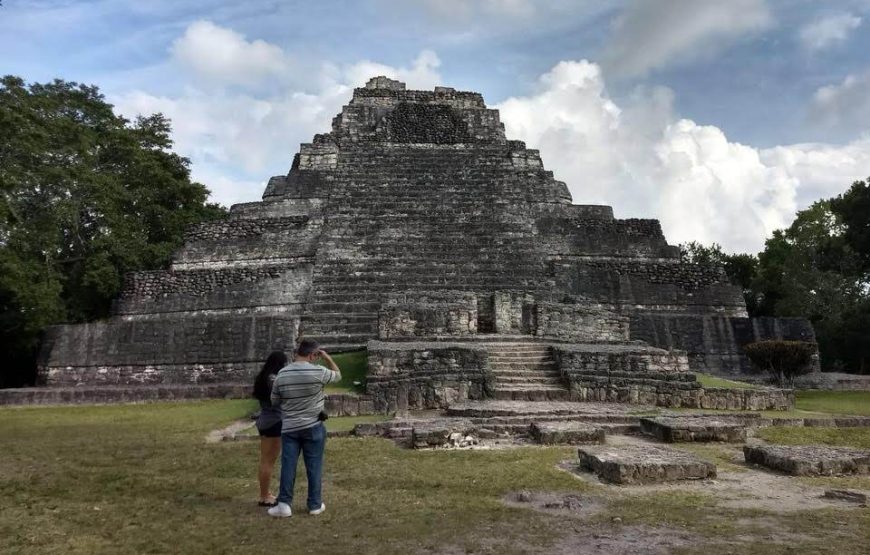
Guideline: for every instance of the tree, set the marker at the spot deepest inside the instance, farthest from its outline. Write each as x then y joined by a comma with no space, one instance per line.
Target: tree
853,210
85,196
784,360
740,268
819,268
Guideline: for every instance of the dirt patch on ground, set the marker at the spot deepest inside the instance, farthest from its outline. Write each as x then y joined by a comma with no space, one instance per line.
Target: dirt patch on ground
581,538
562,504
619,540
229,433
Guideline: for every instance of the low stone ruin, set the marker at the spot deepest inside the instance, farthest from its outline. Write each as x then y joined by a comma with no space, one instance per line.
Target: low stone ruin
672,429
809,460
571,433
643,464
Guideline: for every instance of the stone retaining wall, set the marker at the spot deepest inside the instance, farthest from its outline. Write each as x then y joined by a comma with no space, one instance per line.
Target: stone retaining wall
416,375
335,404
647,375
91,395
427,316
580,323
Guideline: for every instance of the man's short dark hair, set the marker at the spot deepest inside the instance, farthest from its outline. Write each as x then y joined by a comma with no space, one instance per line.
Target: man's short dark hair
307,347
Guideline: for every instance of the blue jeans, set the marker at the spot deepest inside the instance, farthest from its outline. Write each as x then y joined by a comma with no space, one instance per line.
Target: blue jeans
311,442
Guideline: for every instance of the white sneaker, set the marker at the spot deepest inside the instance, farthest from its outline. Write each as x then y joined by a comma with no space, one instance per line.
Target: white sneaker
318,511
280,510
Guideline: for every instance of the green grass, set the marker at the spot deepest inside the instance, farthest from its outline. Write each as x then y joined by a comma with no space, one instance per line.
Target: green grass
133,479
707,380
140,479
834,402
354,366
846,437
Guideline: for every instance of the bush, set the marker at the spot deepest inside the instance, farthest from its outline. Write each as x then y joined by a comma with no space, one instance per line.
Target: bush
784,360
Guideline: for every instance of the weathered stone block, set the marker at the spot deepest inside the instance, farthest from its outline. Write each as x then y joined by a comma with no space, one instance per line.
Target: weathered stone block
566,432
809,460
643,464
691,428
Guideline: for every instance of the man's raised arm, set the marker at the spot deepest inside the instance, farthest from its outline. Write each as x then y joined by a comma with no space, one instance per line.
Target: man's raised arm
336,371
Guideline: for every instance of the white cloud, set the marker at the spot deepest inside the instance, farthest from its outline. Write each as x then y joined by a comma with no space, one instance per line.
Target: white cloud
823,170
422,74
845,106
636,155
224,56
651,34
646,162
235,139
828,31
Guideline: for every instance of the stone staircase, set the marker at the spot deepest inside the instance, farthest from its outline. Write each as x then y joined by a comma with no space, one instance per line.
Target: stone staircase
429,224
525,372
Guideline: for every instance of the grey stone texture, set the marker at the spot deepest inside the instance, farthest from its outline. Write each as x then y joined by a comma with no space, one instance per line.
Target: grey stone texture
560,432
695,428
418,193
850,495
643,464
638,373
418,375
809,460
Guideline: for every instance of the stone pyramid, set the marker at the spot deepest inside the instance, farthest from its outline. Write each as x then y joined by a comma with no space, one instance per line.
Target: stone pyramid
414,196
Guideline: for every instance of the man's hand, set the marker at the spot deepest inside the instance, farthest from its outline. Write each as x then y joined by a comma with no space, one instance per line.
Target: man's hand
331,363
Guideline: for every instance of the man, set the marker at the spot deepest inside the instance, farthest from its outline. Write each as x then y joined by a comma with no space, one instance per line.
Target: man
298,389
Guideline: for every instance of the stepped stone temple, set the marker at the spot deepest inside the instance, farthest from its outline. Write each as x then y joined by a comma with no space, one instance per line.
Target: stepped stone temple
416,229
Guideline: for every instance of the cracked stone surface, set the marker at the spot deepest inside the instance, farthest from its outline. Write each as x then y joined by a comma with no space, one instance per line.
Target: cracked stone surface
809,460
644,464
532,408
702,428
572,433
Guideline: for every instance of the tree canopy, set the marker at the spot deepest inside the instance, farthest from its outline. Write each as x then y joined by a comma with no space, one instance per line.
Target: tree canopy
819,267
85,196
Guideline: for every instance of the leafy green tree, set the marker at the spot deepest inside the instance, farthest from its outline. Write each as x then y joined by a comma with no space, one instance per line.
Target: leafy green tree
85,196
811,270
853,210
818,268
740,268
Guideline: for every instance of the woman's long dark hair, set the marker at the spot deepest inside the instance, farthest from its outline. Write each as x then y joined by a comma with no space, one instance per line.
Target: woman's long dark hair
262,386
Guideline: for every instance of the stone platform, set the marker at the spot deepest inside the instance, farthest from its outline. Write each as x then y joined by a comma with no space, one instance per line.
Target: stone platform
699,428
809,460
644,464
571,433
552,410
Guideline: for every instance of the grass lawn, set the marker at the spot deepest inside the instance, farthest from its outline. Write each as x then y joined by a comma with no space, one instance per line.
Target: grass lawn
141,479
707,380
354,366
834,402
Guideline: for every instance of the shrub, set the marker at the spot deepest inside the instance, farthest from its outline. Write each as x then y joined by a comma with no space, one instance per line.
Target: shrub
784,360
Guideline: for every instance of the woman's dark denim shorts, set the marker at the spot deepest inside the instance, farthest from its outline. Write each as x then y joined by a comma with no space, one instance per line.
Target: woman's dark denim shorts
271,431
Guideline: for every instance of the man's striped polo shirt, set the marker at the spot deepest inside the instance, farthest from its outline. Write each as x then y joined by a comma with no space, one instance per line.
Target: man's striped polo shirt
299,390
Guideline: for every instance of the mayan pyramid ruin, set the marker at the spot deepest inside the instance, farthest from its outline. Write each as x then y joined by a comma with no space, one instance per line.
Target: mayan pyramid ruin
416,225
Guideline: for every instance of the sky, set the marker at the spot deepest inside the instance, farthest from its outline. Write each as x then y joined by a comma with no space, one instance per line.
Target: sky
721,119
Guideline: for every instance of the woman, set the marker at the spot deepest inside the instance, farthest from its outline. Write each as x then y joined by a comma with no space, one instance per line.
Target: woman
268,424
